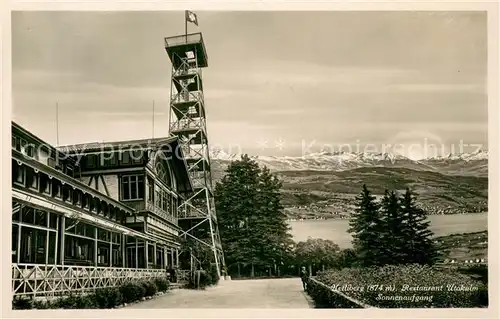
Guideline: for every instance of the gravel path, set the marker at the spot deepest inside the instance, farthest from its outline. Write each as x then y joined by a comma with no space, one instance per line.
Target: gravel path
262,293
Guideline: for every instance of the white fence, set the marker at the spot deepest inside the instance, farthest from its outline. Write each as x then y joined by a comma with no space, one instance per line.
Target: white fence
51,280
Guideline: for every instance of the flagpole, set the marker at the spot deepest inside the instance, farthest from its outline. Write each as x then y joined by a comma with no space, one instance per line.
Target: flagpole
153,118
186,25
57,123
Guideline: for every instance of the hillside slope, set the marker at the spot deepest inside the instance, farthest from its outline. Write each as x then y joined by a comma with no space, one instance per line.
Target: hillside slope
324,185
308,194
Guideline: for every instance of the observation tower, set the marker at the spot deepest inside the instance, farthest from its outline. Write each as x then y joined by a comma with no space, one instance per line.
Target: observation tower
197,216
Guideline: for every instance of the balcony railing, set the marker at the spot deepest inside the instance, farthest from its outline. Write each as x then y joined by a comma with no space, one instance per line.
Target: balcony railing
160,212
192,38
54,280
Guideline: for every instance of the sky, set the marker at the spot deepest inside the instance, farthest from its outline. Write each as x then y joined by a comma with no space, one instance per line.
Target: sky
277,83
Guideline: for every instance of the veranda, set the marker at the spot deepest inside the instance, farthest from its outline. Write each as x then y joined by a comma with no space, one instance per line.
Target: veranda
53,254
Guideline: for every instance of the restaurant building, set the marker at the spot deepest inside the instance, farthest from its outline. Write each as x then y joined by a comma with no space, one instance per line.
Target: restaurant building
93,215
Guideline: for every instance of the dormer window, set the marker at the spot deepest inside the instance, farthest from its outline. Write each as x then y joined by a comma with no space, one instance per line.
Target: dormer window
29,150
51,162
125,157
67,191
109,159
56,189
45,184
136,156
18,173
16,144
92,161
77,198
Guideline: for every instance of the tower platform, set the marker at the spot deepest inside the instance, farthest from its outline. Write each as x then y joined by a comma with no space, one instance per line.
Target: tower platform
177,48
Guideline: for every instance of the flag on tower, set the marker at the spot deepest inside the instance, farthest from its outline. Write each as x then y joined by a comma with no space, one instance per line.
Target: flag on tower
191,17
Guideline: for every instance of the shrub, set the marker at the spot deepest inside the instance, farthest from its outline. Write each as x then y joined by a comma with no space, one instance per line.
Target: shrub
162,284
150,288
22,303
132,291
324,298
214,277
38,304
479,272
109,297
204,280
76,302
387,287
103,298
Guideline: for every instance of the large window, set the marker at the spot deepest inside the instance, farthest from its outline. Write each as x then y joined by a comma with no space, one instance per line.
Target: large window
79,243
33,245
15,234
151,253
33,235
132,187
159,256
79,251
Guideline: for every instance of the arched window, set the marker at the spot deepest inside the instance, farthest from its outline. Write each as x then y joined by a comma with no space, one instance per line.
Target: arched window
164,172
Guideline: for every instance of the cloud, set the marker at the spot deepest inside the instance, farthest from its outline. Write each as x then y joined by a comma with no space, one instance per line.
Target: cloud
283,112
437,87
360,74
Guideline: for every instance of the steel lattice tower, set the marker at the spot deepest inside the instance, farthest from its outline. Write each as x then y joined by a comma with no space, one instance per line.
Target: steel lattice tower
197,215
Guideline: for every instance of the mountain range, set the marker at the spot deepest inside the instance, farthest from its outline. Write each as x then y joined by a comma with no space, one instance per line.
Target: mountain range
323,185
475,164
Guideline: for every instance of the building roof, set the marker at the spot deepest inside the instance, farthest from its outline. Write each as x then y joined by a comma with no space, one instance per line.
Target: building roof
180,168
18,129
92,147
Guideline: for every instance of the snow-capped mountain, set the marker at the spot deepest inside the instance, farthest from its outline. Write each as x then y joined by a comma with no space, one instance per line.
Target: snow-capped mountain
324,184
475,156
340,161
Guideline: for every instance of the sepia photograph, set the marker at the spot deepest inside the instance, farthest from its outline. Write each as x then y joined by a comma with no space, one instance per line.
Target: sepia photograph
249,159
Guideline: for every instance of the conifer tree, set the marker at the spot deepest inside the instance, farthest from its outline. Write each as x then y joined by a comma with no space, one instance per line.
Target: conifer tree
235,198
252,221
271,216
418,237
366,228
393,245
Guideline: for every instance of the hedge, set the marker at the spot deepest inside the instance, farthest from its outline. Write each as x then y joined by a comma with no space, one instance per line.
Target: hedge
206,278
325,298
409,286
103,298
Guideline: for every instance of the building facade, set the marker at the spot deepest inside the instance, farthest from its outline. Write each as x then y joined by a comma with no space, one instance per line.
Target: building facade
94,215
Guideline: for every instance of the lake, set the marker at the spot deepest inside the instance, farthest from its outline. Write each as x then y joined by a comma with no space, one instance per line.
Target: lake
336,229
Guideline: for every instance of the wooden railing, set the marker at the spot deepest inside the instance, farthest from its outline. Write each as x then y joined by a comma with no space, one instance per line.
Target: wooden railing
53,280
325,296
